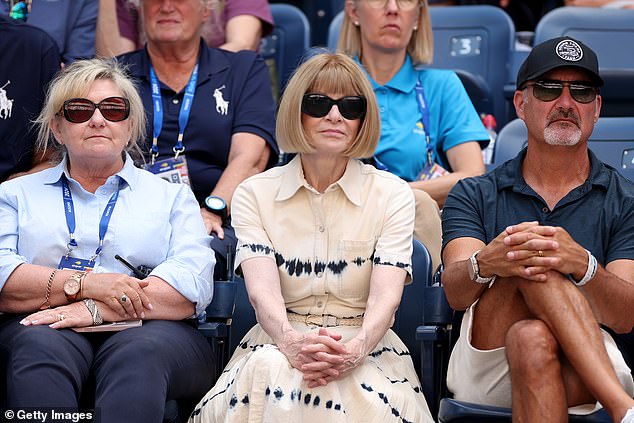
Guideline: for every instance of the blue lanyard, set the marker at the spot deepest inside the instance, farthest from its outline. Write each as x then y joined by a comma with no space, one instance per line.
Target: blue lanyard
424,112
69,210
183,115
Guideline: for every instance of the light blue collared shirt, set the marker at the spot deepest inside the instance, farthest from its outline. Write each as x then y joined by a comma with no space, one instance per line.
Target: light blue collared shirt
154,223
452,118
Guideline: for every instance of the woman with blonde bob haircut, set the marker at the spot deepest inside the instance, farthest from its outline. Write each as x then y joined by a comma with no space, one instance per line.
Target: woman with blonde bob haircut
327,73
324,244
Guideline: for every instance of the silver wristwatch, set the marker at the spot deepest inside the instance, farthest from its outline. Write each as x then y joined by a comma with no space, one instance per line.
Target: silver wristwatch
474,270
94,311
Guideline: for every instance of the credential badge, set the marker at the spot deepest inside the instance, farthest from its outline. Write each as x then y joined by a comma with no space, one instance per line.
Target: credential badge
569,50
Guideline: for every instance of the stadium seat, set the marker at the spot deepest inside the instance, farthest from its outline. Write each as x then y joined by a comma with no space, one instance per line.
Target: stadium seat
612,141
320,14
287,43
610,33
476,39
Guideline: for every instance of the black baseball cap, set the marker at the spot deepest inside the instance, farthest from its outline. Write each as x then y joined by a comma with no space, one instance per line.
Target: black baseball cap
556,53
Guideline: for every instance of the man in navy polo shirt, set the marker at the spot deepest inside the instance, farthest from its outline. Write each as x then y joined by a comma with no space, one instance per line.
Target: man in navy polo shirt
209,111
539,252
30,59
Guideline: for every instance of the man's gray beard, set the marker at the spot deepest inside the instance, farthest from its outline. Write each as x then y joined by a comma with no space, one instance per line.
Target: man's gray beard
558,136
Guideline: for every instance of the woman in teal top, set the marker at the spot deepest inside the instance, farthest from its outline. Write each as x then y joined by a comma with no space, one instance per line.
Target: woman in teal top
422,110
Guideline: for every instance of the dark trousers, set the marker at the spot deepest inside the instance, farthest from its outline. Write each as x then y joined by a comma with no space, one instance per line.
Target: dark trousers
225,250
131,373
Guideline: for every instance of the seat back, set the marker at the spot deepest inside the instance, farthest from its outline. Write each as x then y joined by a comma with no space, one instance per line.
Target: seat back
320,14
610,33
287,43
612,141
476,39
412,308
603,30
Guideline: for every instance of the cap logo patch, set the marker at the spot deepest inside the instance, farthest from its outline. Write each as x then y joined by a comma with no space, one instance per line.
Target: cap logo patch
569,51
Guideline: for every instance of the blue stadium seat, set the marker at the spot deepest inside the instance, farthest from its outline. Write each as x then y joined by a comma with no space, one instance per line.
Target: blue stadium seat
610,33
287,43
320,14
476,39
612,141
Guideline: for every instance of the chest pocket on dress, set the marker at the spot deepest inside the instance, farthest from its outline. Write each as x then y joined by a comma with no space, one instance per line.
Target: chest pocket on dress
355,259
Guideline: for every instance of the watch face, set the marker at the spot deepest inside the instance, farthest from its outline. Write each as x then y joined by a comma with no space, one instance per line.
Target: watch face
71,286
215,203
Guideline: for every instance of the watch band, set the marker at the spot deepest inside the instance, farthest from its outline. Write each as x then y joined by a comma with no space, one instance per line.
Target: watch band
590,271
475,268
79,277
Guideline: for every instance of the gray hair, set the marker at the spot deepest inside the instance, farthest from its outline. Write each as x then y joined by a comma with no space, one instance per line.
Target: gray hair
74,81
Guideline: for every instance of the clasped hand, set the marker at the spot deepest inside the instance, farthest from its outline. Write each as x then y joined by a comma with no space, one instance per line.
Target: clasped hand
321,356
530,250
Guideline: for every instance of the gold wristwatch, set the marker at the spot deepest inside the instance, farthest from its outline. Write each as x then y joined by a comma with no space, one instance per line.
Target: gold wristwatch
72,286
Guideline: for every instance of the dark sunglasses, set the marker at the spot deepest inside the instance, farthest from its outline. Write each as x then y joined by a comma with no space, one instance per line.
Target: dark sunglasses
79,110
318,105
551,90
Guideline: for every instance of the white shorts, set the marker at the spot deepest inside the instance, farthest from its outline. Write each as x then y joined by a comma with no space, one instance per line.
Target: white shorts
482,376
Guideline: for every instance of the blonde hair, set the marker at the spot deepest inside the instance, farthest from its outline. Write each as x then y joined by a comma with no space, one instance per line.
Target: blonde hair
420,47
327,73
74,81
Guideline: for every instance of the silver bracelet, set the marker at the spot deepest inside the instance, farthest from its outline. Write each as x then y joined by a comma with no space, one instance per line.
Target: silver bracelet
94,311
590,271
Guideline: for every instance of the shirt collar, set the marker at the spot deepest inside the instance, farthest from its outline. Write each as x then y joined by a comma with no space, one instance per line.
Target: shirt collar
210,61
510,173
127,173
293,179
404,80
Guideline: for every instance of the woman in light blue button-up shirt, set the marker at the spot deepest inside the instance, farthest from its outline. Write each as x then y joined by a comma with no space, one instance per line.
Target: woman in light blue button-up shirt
61,230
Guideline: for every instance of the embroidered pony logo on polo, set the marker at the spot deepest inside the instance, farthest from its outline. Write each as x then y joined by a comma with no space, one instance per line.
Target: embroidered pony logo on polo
6,104
222,105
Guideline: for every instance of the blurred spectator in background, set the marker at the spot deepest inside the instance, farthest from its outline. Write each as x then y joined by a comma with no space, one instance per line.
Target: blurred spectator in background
20,11
30,59
524,13
210,112
232,25
617,4
71,23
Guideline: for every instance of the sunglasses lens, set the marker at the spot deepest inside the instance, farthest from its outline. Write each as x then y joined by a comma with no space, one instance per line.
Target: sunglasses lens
547,92
316,105
114,109
78,110
352,107
582,93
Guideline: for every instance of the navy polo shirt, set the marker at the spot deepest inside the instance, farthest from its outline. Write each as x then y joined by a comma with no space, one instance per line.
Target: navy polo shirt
599,214
242,79
30,59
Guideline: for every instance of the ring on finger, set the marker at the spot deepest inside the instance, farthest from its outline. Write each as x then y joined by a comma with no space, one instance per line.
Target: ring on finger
540,253
124,298
60,317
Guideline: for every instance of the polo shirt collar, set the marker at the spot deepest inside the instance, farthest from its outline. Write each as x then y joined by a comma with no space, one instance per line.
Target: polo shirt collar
404,80
127,173
210,61
510,174
293,179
